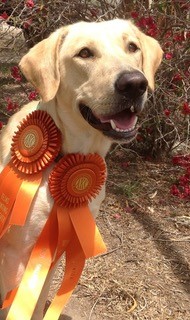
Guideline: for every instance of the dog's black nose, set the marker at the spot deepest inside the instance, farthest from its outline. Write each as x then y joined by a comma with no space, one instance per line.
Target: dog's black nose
131,84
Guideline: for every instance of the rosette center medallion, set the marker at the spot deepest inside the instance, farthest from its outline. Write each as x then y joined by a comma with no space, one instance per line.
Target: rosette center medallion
30,140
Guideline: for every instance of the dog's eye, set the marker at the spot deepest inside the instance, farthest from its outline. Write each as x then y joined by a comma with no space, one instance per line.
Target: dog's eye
132,47
85,53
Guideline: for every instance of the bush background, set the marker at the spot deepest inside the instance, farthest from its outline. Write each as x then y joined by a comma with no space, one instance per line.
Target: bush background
165,122
145,274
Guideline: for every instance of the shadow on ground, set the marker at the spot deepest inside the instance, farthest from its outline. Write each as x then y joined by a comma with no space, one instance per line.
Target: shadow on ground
179,265
65,317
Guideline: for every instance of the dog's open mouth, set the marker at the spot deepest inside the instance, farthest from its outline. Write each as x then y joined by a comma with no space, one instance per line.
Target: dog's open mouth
118,126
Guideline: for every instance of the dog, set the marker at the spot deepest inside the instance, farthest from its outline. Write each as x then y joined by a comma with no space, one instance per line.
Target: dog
93,79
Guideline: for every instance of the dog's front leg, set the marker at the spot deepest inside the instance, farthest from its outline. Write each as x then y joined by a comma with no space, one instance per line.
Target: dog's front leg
96,202
12,265
40,307
39,310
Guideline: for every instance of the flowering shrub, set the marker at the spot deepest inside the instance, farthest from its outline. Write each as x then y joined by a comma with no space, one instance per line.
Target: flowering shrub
15,73
11,106
181,188
165,122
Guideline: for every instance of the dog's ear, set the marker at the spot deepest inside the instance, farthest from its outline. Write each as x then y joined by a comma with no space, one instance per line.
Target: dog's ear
152,57
40,65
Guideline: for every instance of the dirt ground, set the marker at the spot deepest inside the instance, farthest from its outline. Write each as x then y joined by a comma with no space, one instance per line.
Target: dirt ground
145,273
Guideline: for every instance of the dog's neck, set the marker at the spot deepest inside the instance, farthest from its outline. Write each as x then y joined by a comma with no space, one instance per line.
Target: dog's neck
77,136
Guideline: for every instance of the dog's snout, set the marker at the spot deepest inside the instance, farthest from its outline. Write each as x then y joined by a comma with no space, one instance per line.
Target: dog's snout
131,84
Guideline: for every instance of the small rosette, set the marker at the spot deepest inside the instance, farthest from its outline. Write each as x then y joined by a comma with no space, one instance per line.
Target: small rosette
36,143
76,179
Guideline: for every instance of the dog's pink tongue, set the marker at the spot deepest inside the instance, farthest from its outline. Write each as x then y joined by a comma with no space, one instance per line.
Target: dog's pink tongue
123,120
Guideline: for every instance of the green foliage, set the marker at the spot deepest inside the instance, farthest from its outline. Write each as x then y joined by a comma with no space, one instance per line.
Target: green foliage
131,189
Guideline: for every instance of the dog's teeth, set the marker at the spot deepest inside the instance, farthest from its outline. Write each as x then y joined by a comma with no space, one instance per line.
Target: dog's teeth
113,124
114,127
126,130
132,109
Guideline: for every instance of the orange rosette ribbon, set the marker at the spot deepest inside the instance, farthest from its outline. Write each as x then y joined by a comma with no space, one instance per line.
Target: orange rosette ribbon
76,179
35,145
73,183
70,228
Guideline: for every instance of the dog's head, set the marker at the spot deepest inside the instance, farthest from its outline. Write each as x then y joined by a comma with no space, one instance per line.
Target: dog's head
100,71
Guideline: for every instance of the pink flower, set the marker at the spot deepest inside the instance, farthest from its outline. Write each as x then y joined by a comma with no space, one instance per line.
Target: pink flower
167,112
186,191
27,23
149,21
11,106
32,95
15,73
117,216
139,138
167,44
125,164
168,35
183,180
175,191
186,108
142,22
134,14
179,37
4,16
181,160
152,32
177,77
169,56
30,3
148,24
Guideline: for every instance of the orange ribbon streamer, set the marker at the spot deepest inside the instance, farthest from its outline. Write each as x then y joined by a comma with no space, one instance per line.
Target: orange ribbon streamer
75,261
35,274
42,258
21,190
35,145
71,229
7,195
25,197
86,242
9,299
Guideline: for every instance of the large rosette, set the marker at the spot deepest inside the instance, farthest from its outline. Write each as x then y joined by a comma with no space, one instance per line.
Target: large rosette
76,179
36,143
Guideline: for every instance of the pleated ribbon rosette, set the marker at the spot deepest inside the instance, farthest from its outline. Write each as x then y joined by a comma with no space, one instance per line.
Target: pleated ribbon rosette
35,146
70,228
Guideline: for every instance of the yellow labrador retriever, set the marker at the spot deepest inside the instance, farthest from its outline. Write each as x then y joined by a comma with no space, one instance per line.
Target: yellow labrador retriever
93,80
